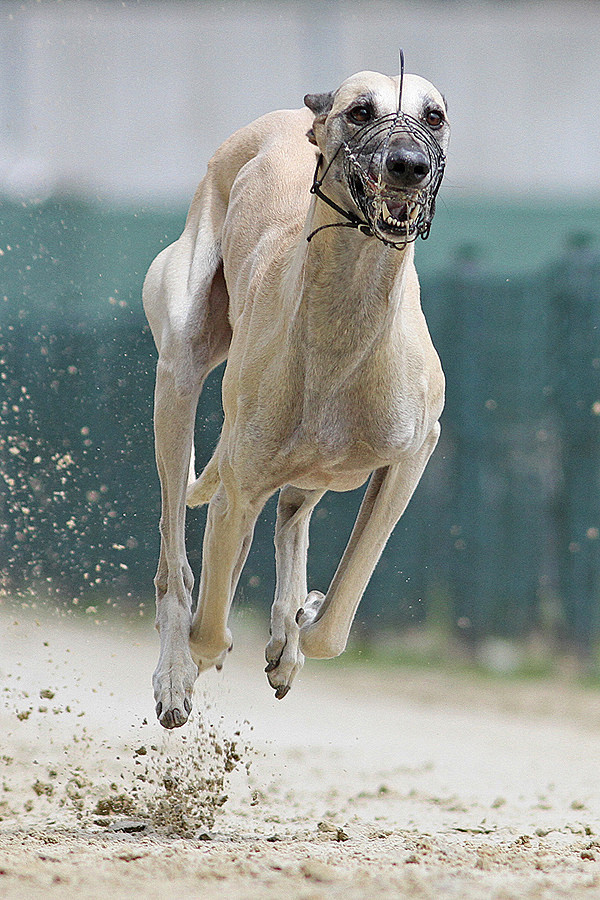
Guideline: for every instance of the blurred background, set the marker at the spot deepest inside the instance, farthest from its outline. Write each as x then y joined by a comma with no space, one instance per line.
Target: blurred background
109,112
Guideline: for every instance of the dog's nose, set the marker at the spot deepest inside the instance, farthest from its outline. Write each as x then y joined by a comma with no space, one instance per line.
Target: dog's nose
409,166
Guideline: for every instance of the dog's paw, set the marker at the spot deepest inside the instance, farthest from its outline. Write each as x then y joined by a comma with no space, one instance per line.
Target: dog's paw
319,637
309,612
284,661
173,683
210,653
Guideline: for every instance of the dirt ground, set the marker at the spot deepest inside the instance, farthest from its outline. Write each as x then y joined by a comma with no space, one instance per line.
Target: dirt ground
360,784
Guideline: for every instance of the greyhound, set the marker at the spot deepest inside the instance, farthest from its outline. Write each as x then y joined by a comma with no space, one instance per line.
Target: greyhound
311,294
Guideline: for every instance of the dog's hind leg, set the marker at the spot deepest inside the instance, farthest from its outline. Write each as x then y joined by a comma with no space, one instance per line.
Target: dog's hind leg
325,621
188,317
284,659
175,673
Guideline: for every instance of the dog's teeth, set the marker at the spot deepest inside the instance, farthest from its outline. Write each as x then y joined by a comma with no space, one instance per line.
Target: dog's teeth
386,214
389,219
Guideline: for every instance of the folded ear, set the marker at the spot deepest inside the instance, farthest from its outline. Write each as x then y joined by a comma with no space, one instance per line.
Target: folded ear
320,105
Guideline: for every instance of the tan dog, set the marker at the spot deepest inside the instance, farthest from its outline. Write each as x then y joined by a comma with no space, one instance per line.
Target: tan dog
331,374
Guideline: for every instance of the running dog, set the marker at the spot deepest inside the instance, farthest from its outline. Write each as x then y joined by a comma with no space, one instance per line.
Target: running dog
296,264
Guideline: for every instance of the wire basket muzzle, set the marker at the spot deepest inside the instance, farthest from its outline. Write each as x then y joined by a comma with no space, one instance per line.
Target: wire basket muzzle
364,161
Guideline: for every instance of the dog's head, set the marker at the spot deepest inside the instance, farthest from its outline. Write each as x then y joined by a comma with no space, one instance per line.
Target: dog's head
382,163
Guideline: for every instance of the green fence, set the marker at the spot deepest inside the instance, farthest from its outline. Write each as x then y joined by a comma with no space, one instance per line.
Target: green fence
503,534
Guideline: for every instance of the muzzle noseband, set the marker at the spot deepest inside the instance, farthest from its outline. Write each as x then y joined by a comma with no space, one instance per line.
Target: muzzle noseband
364,160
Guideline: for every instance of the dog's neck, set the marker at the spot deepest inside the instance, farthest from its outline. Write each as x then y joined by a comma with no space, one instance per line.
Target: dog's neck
347,284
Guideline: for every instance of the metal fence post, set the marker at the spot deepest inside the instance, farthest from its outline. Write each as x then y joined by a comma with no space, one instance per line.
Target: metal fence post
573,286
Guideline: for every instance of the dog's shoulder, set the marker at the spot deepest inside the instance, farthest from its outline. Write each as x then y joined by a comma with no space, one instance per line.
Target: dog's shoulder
279,123
274,149
279,130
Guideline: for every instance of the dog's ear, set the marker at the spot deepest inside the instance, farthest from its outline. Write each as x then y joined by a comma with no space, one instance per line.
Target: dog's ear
320,105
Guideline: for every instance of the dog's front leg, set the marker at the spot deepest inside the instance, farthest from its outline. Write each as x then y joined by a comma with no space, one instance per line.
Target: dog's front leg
325,621
284,659
173,679
229,529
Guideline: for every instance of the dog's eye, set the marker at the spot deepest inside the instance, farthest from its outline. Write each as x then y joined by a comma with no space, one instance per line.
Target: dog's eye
434,118
360,114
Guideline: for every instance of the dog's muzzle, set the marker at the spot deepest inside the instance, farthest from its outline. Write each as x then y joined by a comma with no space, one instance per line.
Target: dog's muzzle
393,168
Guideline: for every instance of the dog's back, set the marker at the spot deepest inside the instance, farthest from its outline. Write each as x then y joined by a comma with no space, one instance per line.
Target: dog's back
263,174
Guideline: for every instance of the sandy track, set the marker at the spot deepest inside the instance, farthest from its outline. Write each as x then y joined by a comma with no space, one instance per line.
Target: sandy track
359,784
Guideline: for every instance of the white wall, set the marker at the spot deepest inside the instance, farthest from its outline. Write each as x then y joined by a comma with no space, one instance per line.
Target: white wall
126,101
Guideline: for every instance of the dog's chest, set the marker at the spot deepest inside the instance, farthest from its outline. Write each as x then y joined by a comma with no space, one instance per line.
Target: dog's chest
360,427
336,446
385,426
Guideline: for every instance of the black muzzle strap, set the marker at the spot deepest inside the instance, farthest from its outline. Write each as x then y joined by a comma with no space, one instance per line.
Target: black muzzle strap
353,221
